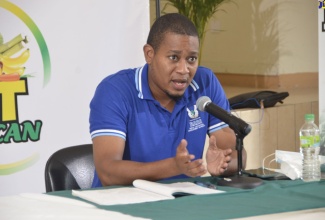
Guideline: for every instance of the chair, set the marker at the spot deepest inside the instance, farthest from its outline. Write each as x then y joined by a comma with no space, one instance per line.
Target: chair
70,168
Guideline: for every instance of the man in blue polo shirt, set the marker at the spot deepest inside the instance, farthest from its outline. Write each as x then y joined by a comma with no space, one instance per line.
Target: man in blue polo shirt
144,122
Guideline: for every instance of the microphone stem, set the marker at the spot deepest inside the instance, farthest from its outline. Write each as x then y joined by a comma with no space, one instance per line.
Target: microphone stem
239,148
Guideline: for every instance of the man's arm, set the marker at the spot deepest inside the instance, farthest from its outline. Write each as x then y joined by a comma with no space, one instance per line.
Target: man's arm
112,170
225,161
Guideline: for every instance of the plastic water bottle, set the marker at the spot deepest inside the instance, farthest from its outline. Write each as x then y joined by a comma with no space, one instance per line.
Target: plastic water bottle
309,148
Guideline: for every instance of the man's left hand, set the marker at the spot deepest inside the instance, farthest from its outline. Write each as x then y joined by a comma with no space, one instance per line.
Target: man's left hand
217,159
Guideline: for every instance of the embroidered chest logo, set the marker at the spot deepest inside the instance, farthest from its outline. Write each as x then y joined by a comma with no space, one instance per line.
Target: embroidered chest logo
193,113
195,121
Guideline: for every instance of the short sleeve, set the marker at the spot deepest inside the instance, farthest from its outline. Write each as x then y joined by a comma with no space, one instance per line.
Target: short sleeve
108,110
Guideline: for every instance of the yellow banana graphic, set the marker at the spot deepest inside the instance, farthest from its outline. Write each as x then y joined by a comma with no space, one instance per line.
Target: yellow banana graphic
9,70
16,61
12,42
14,49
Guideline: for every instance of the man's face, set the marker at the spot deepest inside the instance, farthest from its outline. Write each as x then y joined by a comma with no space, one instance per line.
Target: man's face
172,66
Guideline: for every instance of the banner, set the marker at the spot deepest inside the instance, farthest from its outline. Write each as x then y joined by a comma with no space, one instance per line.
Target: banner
53,54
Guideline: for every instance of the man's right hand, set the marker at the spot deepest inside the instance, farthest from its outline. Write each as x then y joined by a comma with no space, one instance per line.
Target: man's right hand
185,162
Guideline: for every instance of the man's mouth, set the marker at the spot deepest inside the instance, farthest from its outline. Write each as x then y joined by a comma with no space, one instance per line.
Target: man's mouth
179,84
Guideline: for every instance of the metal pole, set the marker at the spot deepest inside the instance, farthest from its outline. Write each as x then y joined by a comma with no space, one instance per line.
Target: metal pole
157,9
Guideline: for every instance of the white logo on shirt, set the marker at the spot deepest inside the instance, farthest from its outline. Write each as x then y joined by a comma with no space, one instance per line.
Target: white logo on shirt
195,121
193,113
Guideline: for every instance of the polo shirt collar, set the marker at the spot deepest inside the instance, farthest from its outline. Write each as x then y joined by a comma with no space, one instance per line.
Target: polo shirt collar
142,85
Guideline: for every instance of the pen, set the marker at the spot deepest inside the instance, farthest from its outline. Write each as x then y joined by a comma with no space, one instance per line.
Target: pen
206,185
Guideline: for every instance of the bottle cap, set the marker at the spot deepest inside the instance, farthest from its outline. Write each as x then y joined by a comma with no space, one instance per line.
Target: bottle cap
309,117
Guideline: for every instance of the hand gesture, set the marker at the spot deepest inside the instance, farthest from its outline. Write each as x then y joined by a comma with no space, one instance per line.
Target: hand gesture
217,159
185,163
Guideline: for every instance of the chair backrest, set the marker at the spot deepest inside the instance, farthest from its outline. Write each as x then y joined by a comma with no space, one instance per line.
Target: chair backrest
70,168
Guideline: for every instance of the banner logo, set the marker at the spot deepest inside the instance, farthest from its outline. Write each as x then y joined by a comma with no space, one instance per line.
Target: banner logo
13,82
14,53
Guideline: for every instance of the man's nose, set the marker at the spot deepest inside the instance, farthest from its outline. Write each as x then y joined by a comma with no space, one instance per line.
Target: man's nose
182,67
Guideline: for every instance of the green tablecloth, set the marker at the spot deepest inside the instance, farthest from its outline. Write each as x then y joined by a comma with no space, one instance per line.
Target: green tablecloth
274,196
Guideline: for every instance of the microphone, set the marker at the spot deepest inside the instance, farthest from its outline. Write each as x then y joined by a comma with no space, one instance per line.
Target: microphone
240,127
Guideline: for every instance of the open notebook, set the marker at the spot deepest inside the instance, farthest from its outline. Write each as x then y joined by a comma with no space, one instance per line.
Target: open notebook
143,191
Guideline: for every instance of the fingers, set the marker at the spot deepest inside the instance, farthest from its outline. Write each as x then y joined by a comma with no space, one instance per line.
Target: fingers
182,147
224,167
228,152
218,160
196,168
185,162
226,163
228,157
183,153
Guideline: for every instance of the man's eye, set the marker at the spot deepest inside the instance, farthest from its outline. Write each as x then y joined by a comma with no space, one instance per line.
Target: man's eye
173,57
192,59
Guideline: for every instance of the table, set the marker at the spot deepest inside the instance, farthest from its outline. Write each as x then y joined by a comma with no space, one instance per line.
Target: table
274,196
276,199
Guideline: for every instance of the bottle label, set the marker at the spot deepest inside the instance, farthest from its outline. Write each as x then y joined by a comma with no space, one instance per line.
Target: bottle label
309,141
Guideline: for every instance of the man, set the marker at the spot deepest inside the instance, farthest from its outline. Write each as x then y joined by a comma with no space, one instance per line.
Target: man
144,122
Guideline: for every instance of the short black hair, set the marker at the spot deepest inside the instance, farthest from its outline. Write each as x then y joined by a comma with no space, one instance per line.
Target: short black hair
170,23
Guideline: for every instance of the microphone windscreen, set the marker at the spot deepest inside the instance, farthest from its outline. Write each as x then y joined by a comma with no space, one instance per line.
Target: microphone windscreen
201,102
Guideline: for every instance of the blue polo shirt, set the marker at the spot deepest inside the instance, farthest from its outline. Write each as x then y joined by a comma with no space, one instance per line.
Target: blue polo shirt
123,106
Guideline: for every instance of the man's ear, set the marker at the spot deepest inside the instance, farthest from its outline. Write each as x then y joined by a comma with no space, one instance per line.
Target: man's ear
148,53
